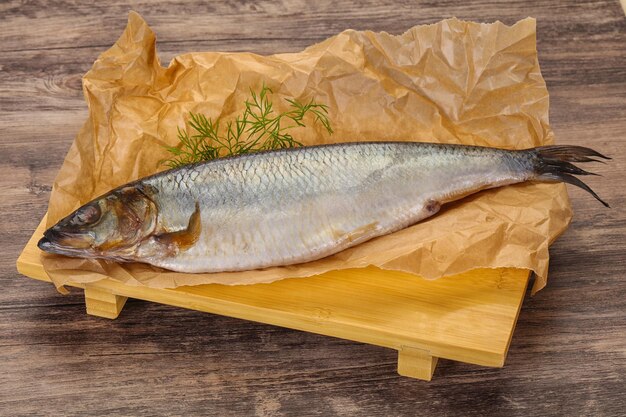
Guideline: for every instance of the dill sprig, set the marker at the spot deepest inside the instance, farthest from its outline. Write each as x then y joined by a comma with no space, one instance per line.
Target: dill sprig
257,128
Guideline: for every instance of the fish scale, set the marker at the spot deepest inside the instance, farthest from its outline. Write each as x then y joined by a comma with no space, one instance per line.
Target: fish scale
310,202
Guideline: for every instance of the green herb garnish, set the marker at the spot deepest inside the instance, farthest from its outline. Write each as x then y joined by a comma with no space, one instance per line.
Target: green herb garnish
257,128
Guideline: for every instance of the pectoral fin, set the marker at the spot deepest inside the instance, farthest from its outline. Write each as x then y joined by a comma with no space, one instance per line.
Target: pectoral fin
183,239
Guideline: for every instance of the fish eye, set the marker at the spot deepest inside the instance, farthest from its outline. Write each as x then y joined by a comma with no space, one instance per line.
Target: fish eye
87,215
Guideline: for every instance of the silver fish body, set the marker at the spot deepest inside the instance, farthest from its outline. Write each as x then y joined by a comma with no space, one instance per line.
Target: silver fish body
301,204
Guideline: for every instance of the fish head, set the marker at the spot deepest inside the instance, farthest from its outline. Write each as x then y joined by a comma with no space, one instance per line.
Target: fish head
110,227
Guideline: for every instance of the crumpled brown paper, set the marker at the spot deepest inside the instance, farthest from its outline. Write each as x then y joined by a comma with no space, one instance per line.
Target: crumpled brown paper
452,82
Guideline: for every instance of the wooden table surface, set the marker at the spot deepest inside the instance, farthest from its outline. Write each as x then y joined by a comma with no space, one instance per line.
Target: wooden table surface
568,353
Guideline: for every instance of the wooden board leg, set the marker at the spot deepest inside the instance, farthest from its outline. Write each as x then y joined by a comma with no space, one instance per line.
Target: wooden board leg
103,304
416,363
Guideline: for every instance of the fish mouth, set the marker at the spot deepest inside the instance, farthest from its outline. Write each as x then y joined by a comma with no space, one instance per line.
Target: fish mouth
50,243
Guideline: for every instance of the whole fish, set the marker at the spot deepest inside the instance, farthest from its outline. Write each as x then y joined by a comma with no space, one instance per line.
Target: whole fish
293,205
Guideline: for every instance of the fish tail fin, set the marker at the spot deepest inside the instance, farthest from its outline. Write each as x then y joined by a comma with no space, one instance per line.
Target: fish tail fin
554,164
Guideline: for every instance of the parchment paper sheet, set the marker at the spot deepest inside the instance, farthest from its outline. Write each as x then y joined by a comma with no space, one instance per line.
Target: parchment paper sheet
451,82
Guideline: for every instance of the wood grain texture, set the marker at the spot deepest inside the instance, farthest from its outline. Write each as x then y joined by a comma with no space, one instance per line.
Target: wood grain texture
468,317
567,356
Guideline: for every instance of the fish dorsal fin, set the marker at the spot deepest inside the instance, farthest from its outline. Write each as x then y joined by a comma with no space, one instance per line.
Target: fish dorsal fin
183,239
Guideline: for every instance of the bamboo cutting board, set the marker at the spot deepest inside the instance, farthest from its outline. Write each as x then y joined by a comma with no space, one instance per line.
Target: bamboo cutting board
468,317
